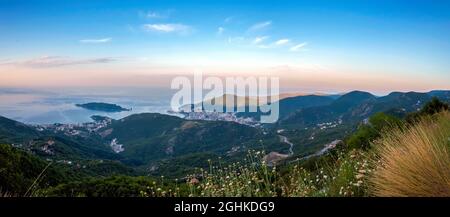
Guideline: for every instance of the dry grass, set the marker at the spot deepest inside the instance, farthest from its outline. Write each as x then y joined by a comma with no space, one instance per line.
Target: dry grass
414,161
5,194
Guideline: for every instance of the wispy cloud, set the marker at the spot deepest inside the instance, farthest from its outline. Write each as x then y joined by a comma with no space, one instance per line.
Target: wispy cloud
96,41
4,61
168,28
228,19
282,42
155,14
57,61
300,67
220,30
259,39
298,47
260,26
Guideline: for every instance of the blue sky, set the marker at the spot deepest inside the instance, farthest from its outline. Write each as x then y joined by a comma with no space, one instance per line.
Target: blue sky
313,44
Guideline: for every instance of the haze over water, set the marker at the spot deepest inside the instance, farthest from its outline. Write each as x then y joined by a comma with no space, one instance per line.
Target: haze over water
55,106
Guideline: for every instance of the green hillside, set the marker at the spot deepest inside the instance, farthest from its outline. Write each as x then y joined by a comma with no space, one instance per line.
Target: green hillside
66,160
149,138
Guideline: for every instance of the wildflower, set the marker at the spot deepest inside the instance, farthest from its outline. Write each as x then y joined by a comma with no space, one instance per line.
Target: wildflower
194,181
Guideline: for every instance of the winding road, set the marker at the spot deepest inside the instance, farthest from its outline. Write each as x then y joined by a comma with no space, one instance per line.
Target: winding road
284,139
327,147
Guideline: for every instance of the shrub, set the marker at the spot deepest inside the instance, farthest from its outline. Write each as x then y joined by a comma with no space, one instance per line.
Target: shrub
414,161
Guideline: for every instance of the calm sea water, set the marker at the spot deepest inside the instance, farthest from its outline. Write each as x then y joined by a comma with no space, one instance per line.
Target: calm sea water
38,106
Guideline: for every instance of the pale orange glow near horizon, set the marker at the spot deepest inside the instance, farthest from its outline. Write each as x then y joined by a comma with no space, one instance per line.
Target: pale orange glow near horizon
294,78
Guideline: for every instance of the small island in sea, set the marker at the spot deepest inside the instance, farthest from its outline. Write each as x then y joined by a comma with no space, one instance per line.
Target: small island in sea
104,107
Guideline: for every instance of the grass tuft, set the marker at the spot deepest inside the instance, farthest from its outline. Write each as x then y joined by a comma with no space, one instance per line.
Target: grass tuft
414,161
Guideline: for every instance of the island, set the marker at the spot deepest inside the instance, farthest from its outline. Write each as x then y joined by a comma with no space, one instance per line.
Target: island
104,107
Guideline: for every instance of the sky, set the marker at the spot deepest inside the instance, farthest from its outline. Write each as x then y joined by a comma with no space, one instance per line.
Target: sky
327,46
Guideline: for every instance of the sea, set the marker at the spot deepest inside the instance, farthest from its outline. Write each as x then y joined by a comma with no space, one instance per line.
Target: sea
58,105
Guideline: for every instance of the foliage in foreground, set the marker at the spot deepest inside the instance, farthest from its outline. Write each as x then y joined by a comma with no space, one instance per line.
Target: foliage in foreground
117,186
415,161
21,172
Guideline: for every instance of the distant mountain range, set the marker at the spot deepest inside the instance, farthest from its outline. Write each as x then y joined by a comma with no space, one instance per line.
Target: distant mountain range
322,107
249,101
357,105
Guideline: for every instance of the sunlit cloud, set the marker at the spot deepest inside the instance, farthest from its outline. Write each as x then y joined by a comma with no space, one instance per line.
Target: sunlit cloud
282,42
259,39
96,41
278,43
167,28
298,47
260,26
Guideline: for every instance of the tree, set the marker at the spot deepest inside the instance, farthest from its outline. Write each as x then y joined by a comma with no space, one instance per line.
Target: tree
432,107
366,134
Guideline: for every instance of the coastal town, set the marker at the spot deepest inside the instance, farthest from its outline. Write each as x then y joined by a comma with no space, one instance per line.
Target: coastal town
76,129
220,116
